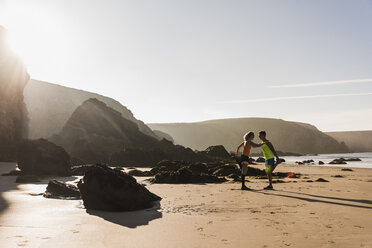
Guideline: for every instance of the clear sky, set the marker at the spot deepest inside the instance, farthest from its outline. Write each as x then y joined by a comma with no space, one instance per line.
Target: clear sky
182,61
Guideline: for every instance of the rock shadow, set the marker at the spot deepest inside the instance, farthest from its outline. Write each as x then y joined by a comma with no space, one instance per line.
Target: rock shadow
130,219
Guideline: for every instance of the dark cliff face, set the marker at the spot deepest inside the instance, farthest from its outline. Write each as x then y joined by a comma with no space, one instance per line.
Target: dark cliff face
95,130
51,105
13,112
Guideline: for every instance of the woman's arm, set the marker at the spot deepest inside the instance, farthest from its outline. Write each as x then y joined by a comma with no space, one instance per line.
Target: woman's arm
255,145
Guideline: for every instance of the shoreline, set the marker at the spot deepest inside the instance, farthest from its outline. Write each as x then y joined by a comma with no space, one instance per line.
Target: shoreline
296,214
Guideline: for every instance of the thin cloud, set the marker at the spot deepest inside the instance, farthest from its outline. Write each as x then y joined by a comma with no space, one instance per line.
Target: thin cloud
326,83
297,97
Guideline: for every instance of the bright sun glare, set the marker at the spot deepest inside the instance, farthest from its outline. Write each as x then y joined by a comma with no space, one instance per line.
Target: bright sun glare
33,35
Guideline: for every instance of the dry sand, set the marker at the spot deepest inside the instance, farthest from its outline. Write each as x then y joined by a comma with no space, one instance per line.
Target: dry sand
337,213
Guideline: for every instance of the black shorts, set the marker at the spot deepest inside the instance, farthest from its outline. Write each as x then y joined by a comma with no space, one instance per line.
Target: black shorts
244,158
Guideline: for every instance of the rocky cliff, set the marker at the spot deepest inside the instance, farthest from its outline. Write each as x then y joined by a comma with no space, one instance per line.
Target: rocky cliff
286,136
13,113
51,105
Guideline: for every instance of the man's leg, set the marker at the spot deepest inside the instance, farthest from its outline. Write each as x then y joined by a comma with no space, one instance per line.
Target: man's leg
269,169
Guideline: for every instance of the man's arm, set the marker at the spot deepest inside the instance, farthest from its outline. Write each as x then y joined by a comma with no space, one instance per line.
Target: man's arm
239,147
272,149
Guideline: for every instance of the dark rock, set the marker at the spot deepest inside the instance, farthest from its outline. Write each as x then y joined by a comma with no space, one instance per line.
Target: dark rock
41,157
13,173
184,175
338,161
139,173
79,170
13,112
260,160
320,162
281,160
76,161
61,190
103,188
218,151
339,176
235,176
321,180
198,168
353,159
226,170
27,179
346,169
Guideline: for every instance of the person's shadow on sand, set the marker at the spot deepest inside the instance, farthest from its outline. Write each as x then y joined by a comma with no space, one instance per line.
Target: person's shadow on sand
130,219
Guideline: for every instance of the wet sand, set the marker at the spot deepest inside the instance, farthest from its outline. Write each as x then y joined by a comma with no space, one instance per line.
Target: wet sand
297,213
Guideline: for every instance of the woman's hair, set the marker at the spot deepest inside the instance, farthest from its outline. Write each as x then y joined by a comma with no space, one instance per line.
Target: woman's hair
248,135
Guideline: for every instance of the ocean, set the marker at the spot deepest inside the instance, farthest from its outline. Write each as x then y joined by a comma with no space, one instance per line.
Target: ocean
366,158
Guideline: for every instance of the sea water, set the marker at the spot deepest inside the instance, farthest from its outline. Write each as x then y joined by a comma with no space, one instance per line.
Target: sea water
366,158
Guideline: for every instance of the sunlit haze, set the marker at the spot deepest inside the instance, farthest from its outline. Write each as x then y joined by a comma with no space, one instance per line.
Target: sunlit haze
183,61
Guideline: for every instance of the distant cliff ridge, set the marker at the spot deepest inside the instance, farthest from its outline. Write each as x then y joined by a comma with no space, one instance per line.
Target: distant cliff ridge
51,105
13,113
286,136
357,141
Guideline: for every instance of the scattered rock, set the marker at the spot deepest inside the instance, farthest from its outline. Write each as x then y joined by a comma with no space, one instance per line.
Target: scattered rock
184,175
27,179
338,176
61,190
226,170
281,160
103,188
320,162
13,173
139,173
353,159
346,169
260,160
41,157
338,161
235,177
321,180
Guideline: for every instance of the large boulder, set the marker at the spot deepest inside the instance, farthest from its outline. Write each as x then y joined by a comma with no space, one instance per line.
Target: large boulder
41,157
13,112
103,188
61,190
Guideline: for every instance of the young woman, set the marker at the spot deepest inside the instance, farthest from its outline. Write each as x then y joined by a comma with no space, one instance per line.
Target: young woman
244,160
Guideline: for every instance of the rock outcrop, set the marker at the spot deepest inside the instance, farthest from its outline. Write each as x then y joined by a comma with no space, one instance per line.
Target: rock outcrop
42,157
96,133
217,151
103,188
13,113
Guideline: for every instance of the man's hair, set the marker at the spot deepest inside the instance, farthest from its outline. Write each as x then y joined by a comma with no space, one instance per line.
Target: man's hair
263,133
248,135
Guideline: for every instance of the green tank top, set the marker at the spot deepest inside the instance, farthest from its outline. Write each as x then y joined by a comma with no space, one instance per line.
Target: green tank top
268,154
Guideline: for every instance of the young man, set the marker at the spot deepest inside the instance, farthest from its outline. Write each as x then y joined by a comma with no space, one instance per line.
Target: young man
269,153
244,160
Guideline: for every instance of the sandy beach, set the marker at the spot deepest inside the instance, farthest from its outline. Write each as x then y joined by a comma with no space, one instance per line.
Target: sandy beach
296,214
